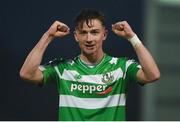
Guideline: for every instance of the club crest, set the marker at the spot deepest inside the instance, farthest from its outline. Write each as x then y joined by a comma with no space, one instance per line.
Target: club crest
107,78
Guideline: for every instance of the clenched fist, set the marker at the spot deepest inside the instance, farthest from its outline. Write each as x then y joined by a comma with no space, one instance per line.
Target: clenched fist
123,29
58,29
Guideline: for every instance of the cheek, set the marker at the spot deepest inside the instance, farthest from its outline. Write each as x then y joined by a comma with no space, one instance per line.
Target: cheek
101,40
102,36
99,44
80,44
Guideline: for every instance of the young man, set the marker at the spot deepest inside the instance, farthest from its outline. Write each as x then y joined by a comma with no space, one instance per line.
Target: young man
93,86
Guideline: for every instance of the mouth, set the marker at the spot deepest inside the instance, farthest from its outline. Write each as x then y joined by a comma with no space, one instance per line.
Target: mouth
89,45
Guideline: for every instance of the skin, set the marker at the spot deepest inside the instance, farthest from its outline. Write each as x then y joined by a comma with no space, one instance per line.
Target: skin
90,39
149,71
30,70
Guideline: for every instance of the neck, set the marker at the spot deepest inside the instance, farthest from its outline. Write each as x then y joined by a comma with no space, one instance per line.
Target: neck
92,58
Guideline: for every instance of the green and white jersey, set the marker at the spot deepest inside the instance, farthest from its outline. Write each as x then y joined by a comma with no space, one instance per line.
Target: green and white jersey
91,94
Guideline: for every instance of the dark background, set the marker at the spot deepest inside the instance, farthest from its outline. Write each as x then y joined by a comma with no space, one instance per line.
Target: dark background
22,24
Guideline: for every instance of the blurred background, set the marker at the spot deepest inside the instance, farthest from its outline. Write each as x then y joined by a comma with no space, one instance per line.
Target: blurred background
22,24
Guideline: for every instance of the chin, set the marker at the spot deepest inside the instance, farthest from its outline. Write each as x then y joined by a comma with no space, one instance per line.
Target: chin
89,52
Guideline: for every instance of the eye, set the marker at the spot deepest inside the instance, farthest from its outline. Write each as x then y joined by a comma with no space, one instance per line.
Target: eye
94,32
82,32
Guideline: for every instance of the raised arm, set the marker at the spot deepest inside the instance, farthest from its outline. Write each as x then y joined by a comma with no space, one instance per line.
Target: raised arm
149,71
30,70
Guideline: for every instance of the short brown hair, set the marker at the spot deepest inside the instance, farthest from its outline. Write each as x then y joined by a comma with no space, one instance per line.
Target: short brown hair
86,15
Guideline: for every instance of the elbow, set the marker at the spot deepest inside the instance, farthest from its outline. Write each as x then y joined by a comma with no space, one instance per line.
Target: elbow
149,77
157,75
154,77
24,75
31,77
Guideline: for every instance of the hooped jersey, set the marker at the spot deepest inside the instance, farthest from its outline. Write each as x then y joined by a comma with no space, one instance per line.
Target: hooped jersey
91,93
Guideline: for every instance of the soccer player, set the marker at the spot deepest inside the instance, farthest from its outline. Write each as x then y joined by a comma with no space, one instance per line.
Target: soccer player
93,85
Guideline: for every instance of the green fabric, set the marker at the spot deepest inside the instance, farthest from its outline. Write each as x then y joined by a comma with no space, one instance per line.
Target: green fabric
76,70
104,114
116,89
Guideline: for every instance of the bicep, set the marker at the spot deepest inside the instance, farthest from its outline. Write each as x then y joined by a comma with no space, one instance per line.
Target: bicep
37,77
141,77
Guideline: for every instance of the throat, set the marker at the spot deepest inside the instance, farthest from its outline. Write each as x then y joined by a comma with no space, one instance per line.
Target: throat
91,60
91,65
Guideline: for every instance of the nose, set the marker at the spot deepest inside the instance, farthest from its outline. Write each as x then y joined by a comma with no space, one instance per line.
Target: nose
89,38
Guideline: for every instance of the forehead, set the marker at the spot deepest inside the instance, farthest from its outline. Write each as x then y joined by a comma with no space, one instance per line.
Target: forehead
91,24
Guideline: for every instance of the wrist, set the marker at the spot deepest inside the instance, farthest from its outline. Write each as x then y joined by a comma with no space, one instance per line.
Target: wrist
134,40
48,35
130,35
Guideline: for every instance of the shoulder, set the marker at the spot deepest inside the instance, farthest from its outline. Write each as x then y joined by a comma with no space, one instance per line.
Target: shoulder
125,60
61,61
122,61
117,60
55,62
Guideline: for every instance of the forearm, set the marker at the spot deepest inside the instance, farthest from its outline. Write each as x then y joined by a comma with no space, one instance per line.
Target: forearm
30,69
149,67
33,60
149,71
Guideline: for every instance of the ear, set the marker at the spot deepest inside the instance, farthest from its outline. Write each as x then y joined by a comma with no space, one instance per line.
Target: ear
105,34
75,36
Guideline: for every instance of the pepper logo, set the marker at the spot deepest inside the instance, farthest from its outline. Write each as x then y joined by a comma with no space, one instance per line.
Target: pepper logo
88,88
97,89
